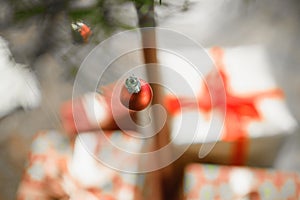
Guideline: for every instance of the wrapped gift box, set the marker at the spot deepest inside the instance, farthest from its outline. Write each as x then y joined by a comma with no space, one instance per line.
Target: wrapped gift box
236,101
223,182
58,168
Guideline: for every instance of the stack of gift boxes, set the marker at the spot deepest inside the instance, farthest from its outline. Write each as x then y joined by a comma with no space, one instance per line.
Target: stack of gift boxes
254,120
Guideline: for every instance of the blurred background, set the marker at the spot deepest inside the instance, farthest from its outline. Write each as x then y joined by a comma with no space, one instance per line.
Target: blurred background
39,35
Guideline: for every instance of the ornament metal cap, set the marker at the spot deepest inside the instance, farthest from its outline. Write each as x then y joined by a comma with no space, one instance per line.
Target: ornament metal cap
133,84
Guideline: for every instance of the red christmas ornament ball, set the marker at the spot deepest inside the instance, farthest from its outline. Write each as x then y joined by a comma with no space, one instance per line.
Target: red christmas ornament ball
136,94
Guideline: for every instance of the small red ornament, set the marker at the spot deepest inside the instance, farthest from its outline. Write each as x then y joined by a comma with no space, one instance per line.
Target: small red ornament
81,32
136,94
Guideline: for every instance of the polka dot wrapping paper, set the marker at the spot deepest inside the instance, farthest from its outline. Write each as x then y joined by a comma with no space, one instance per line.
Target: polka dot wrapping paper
223,182
58,169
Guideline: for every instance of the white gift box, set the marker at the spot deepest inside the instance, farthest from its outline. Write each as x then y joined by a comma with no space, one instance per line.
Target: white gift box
247,73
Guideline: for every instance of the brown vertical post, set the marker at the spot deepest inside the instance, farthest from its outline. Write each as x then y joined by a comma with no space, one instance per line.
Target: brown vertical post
159,183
